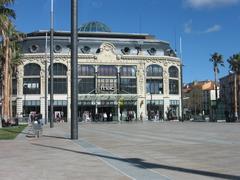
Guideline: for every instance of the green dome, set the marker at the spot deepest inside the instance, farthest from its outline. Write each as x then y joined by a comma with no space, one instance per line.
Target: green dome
94,26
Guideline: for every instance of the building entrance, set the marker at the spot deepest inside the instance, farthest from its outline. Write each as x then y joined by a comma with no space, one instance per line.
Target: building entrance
108,113
86,113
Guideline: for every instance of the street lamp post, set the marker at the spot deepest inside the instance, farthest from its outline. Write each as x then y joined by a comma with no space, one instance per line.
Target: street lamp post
25,96
51,66
74,63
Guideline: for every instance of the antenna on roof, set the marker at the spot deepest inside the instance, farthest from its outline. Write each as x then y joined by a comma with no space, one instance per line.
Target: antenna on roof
180,47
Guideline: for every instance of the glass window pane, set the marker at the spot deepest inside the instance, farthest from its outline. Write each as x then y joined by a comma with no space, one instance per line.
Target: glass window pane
173,86
107,71
59,69
86,70
32,70
128,71
31,86
59,85
154,86
154,70
173,72
86,85
128,86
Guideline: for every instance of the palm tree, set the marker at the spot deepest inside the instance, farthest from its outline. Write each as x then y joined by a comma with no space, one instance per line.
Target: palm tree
216,59
234,65
6,15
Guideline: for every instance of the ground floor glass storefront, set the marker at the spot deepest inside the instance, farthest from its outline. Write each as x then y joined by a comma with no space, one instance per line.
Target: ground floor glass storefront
155,109
107,110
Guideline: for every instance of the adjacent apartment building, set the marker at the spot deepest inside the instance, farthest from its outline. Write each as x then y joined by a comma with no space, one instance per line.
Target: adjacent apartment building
199,98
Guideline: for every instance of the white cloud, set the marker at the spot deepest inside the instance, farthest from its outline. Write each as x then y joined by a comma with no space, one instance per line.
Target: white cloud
188,27
214,28
198,4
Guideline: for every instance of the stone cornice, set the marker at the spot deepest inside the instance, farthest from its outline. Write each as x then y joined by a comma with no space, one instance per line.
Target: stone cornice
67,56
149,58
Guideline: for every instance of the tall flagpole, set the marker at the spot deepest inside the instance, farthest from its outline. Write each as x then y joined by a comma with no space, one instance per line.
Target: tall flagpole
51,65
74,65
46,82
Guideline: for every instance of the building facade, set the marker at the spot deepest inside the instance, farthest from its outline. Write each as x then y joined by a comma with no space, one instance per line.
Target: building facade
228,96
199,98
124,75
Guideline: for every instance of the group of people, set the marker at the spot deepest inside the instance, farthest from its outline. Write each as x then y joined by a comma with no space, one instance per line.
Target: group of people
33,116
88,116
59,117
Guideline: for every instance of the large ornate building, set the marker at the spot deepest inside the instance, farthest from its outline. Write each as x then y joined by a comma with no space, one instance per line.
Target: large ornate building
120,74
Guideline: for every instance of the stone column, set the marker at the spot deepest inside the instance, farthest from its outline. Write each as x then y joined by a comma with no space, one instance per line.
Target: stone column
96,90
118,87
69,93
20,95
141,92
166,106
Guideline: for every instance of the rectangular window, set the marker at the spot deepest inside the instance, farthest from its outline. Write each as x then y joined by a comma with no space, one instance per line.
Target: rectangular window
155,86
128,86
31,86
173,86
14,86
86,85
59,85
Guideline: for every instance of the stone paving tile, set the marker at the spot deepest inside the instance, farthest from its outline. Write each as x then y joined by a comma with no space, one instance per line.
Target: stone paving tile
173,150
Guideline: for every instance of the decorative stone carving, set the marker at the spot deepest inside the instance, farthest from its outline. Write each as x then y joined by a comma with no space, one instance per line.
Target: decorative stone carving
141,79
107,53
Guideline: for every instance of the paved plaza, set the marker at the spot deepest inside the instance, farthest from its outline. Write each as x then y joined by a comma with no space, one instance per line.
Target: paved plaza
148,150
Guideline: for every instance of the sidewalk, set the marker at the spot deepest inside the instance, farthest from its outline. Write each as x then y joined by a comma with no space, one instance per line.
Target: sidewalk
52,156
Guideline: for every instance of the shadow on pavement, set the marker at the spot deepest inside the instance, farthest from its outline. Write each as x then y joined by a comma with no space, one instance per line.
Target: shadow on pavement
57,137
145,165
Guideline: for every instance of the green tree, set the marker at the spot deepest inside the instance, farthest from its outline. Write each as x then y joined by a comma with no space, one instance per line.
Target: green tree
6,16
234,66
217,60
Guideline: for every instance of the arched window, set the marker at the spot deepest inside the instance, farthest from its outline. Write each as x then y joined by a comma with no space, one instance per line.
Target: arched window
59,79
32,69
154,70
31,79
173,80
86,70
59,69
128,71
107,71
173,72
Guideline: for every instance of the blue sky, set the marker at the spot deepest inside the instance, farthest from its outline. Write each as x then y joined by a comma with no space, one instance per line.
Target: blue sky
205,26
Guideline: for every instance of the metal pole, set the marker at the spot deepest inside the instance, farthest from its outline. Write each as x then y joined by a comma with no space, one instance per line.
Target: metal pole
51,65
25,94
46,83
74,63
181,69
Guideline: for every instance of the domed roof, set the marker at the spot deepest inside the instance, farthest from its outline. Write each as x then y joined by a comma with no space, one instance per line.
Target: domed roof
94,26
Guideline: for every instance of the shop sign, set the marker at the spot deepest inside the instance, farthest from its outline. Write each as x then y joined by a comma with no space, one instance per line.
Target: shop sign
107,88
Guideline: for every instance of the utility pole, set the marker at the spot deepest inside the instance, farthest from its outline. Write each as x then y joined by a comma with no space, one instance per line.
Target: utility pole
51,65
74,65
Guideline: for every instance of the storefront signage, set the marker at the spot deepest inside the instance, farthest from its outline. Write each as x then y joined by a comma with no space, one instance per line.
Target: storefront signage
107,88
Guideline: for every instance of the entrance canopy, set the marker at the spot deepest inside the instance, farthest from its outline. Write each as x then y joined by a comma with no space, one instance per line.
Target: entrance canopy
113,97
